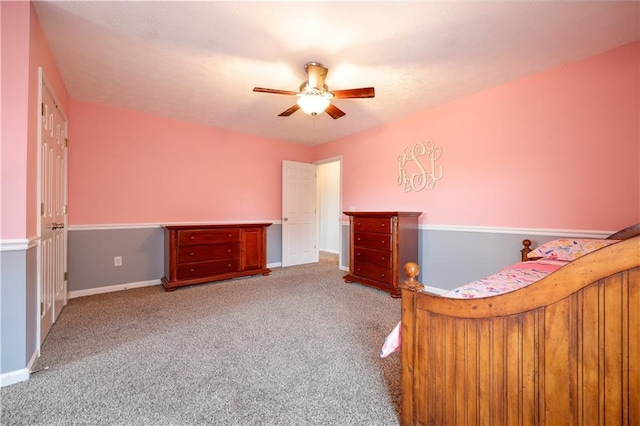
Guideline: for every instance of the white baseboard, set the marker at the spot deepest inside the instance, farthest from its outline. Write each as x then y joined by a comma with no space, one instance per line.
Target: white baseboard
329,251
13,377
111,288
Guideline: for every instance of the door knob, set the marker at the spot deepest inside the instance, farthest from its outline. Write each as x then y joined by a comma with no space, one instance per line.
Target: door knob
286,219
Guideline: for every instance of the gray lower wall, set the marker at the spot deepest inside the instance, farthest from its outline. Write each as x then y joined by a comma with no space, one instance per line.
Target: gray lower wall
91,254
18,304
447,258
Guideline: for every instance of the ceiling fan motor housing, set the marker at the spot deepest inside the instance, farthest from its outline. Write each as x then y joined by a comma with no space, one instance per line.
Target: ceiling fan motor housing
305,89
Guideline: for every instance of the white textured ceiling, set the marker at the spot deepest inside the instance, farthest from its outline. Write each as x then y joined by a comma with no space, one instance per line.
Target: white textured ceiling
199,61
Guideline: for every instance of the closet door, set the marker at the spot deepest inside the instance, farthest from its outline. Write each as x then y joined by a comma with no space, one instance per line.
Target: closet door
53,193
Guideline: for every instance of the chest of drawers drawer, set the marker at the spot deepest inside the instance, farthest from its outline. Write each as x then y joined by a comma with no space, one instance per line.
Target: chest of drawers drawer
208,236
206,269
380,225
377,273
380,258
371,240
210,252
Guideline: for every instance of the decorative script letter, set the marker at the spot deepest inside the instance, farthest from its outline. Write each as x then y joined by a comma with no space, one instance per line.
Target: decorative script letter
414,176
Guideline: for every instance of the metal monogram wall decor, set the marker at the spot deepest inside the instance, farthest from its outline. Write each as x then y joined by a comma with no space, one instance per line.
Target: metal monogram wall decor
412,173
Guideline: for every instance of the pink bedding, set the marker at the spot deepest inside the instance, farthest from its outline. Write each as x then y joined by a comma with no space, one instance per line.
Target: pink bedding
511,278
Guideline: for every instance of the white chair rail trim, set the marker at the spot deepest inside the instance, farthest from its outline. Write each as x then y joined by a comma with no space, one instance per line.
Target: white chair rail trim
19,244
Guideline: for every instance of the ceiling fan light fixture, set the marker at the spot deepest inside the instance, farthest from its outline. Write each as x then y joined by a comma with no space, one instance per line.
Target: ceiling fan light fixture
314,96
313,104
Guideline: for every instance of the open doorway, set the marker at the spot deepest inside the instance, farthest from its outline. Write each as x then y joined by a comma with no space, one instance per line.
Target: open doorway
329,209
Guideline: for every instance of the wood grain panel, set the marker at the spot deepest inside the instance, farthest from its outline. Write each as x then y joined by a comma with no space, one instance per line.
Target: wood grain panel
527,358
421,364
515,370
556,360
613,319
472,373
590,343
460,370
408,348
632,343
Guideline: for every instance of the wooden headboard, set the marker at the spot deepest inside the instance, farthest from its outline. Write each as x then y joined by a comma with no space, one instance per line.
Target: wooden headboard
563,350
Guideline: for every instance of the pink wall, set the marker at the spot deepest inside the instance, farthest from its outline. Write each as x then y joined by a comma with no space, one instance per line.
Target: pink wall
24,49
560,149
128,167
15,89
39,56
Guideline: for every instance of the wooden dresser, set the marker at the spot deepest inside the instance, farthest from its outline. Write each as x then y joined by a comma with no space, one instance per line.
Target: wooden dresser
380,244
197,254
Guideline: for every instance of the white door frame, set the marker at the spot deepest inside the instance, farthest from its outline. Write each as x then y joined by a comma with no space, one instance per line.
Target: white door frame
337,159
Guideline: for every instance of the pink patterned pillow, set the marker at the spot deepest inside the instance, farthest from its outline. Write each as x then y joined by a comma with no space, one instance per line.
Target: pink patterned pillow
569,249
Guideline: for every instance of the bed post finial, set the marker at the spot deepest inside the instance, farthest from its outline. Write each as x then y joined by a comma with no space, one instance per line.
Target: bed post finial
526,250
411,270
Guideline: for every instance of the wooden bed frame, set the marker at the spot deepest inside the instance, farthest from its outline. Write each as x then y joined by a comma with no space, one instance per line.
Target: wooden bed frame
564,350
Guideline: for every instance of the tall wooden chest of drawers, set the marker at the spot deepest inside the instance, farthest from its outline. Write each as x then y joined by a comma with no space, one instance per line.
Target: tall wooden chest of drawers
197,254
380,244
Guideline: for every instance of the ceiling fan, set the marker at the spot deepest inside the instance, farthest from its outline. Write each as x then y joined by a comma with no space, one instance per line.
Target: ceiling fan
314,96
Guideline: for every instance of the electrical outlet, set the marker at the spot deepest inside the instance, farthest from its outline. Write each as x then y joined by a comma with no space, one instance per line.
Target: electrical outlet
117,261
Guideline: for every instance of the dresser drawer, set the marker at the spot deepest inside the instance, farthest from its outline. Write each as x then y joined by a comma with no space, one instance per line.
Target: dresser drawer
380,225
377,257
375,241
373,272
208,236
187,271
212,252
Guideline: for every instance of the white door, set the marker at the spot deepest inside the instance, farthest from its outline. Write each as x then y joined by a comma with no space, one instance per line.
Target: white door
299,217
53,192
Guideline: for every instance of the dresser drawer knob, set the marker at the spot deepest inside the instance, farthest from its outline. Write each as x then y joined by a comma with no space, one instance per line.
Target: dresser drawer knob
228,250
383,258
192,270
192,237
230,235
382,242
192,254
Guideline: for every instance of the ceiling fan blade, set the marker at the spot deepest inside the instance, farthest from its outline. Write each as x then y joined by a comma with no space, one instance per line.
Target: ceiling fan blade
289,111
365,92
275,91
334,111
317,74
